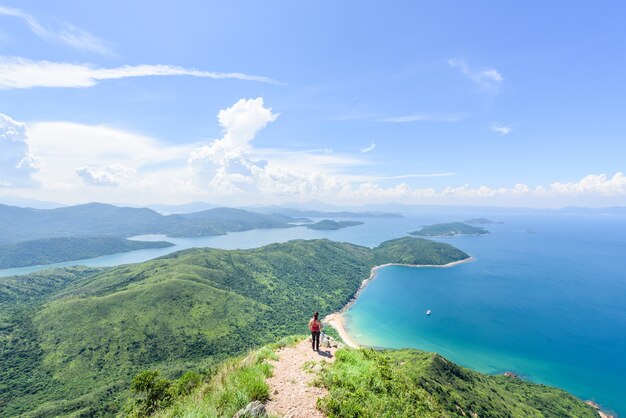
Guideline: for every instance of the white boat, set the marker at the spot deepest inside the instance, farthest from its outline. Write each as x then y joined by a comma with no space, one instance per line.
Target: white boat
428,312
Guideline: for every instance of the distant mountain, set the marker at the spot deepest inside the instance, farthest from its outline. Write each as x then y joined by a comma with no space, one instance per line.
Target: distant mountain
480,221
449,230
613,210
55,250
182,208
29,203
328,225
97,219
294,213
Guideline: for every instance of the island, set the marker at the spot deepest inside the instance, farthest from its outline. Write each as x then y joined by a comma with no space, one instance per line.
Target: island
328,225
449,230
481,221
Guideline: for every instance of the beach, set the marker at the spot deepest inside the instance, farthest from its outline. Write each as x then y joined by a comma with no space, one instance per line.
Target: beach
336,319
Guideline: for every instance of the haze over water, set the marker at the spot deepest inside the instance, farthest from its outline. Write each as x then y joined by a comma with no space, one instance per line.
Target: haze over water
548,305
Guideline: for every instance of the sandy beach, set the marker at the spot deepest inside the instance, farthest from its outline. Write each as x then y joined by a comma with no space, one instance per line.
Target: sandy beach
337,321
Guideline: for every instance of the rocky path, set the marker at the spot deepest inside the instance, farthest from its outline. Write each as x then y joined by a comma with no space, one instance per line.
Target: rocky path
290,392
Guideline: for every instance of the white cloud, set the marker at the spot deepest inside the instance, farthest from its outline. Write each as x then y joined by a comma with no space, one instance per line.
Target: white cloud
68,34
501,129
420,175
425,117
226,164
73,155
593,184
72,162
112,175
21,73
17,163
488,77
369,148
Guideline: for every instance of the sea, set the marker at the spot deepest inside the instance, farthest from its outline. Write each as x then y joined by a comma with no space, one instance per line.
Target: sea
544,297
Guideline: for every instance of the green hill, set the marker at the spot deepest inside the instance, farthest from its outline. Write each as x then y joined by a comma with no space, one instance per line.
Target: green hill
449,230
75,337
54,250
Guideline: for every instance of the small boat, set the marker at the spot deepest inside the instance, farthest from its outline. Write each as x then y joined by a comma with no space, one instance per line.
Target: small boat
428,312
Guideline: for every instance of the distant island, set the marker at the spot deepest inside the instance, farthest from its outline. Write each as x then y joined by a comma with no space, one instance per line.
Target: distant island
481,221
449,230
328,225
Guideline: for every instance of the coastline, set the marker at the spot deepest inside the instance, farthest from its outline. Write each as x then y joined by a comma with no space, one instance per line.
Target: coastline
336,319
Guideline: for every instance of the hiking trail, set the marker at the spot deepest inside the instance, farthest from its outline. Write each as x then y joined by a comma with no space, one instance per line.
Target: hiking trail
291,393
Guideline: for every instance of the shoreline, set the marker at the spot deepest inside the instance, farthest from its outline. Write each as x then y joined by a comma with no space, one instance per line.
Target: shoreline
336,319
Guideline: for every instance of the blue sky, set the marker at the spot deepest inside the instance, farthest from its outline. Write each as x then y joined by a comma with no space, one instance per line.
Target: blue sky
345,102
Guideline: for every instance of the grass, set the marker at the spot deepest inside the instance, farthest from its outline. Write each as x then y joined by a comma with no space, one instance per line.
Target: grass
236,383
369,383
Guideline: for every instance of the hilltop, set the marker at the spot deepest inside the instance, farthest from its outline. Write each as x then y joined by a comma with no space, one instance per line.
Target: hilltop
73,338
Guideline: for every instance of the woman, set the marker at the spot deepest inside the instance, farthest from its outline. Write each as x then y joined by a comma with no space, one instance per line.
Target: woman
315,326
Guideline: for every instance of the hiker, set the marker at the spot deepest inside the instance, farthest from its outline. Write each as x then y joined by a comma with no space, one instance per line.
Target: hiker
315,326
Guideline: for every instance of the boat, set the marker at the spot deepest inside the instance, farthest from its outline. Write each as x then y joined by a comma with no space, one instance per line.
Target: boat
428,312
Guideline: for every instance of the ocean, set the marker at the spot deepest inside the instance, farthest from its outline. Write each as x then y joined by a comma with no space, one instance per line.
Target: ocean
545,296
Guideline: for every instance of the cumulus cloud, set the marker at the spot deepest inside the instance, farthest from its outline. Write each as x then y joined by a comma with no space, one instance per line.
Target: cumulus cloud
22,73
600,184
226,164
501,129
17,163
113,175
67,34
487,77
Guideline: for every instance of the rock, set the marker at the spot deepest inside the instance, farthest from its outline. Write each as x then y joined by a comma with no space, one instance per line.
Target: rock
254,409
275,391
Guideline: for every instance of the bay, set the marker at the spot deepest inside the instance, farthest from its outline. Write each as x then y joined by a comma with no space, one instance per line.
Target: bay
545,296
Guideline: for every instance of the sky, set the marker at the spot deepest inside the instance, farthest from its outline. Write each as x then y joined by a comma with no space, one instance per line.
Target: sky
354,102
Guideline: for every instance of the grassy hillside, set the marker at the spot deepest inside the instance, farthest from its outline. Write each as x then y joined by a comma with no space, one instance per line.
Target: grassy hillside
403,383
361,383
449,230
86,333
54,250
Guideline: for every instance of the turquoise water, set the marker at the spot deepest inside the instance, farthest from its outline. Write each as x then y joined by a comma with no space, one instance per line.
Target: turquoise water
550,306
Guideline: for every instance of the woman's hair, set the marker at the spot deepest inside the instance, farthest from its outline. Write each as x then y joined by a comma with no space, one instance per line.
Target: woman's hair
315,315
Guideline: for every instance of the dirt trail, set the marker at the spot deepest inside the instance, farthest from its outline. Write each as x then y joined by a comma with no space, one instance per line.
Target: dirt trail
290,392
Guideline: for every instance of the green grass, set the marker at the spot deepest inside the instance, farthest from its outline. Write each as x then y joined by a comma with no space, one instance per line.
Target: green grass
402,383
234,384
